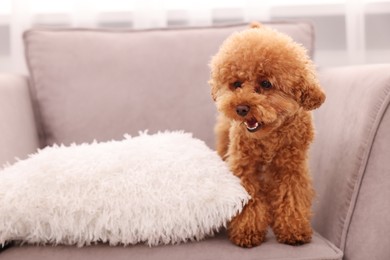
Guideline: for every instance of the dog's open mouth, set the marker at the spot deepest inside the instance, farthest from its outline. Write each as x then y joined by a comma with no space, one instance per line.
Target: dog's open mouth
252,125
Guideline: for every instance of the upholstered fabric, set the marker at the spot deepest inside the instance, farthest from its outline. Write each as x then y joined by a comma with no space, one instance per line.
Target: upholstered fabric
350,161
370,220
18,134
218,247
98,84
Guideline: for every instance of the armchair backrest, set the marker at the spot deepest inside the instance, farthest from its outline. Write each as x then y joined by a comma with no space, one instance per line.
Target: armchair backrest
101,84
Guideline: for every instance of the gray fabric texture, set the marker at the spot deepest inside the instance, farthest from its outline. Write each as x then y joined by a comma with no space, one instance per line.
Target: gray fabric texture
18,136
218,247
350,161
370,222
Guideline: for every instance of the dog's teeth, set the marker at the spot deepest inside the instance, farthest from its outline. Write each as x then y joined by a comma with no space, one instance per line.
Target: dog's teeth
253,127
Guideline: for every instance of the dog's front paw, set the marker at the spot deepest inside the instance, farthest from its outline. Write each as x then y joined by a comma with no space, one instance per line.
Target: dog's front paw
248,239
294,238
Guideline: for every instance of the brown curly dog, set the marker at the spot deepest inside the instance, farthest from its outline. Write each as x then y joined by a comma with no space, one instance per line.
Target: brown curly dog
264,86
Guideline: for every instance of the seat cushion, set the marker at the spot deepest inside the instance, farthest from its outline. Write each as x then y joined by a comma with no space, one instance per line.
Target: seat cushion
100,84
218,247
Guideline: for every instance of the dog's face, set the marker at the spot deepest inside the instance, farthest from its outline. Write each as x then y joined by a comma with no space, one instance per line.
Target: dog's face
260,78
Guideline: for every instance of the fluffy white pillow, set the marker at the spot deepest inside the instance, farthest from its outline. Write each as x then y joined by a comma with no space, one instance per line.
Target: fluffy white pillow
157,189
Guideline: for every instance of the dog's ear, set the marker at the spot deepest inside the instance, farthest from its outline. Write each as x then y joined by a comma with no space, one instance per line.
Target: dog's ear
310,95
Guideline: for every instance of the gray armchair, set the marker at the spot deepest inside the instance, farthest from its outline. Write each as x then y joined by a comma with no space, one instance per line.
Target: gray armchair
97,84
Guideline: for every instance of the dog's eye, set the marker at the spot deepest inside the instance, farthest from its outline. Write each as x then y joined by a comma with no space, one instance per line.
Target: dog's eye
265,84
237,84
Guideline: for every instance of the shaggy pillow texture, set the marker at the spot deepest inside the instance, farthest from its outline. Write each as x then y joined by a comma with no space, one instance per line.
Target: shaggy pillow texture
157,189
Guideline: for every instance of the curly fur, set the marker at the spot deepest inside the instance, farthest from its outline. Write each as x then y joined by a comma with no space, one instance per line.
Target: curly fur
271,160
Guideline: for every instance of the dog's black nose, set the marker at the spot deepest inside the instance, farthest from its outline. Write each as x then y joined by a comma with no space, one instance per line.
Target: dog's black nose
242,110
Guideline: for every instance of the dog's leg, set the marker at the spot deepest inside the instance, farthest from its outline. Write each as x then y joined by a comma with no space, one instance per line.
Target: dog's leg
222,133
249,228
290,197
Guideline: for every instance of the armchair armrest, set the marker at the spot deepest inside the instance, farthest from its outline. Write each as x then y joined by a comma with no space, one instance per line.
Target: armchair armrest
18,133
350,161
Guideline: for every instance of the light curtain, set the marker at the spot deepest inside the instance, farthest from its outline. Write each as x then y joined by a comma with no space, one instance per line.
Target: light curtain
19,15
